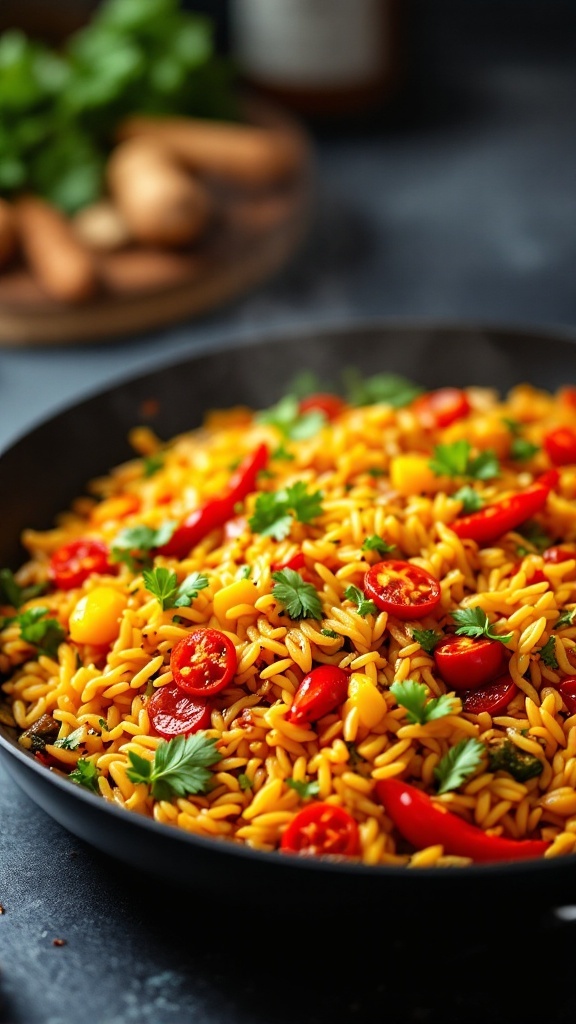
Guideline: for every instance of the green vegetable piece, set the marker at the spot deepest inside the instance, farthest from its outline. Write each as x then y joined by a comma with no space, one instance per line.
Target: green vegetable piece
300,599
459,764
305,790
163,584
456,460
389,388
274,513
474,622
505,756
548,653
85,774
46,634
363,605
414,697
72,741
427,638
378,544
471,500
180,766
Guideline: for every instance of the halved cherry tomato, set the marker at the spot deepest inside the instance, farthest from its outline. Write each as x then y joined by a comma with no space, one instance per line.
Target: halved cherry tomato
203,662
321,691
493,698
560,445
296,562
465,662
492,521
323,401
73,563
173,712
321,829
567,691
440,408
402,589
553,556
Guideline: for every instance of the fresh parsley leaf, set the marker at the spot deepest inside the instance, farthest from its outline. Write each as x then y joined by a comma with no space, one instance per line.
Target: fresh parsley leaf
413,696
46,634
548,653
522,449
244,781
458,764
456,460
103,724
305,790
535,535
471,500
282,454
427,638
72,741
566,618
376,543
274,513
152,464
13,594
85,774
363,606
163,584
301,600
474,622
331,634
133,544
292,424
180,766
389,388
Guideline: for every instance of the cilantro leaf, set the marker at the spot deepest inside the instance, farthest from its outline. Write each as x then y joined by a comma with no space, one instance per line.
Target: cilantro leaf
471,500
474,622
363,605
163,584
180,766
427,638
548,653
413,696
566,618
390,388
133,544
331,634
305,790
522,449
244,781
301,600
458,764
13,594
456,460
151,464
376,543
505,756
292,424
46,634
274,512
72,741
85,774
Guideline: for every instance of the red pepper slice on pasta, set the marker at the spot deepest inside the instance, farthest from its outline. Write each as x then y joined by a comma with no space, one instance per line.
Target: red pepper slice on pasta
490,522
74,562
322,829
402,589
203,662
172,712
322,690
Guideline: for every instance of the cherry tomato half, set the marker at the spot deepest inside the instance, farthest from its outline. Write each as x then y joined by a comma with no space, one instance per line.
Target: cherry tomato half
440,408
323,401
567,691
493,698
320,692
465,662
203,662
175,713
552,556
402,589
73,563
560,446
321,829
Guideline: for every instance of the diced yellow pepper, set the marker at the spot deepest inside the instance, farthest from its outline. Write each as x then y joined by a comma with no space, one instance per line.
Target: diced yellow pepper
411,474
96,617
240,592
367,699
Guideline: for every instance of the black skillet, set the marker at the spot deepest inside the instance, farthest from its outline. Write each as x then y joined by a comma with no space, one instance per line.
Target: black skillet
43,471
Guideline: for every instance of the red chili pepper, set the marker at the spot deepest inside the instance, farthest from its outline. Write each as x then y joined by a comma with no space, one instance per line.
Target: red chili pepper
560,446
215,512
321,691
423,823
492,521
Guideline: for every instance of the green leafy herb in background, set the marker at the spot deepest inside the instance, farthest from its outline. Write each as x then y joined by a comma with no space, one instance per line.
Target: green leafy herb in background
456,459
459,764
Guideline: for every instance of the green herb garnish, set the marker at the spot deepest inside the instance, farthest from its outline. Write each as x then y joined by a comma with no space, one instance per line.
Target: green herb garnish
301,600
471,500
85,774
456,460
134,544
505,756
548,653
419,707
458,764
474,622
389,388
180,766
378,544
427,638
164,586
274,512
363,606
305,790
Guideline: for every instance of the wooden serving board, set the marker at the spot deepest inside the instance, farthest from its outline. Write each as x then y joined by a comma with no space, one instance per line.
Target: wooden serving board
253,236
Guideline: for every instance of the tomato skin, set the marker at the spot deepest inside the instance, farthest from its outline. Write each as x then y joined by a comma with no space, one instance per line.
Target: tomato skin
466,662
493,698
402,589
74,562
560,446
173,712
440,408
296,562
321,691
322,829
567,691
323,401
203,662
492,521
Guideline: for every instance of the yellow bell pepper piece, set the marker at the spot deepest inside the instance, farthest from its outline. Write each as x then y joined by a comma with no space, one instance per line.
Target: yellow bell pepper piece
238,593
96,617
367,699
411,474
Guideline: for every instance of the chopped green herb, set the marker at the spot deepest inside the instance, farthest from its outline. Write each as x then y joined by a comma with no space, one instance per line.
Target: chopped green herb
180,766
375,471
292,424
471,500
307,383
85,774
505,756
535,535
13,594
301,600
420,709
331,634
45,634
151,464
566,618
282,454
363,606
244,572
274,513
305,790
456,460
72,741
474,622
522,449
376,543
548,653
244,781
103,723
427,638
133,544
163,584
389,388
459,764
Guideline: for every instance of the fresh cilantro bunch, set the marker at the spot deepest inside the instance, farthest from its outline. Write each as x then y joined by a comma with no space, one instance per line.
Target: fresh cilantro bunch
134,544
274,512
180,766
456,459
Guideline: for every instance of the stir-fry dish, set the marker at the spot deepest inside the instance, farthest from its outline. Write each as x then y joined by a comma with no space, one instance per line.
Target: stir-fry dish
340,627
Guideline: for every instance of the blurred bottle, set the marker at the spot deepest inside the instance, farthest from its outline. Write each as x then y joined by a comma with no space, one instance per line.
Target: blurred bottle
322,58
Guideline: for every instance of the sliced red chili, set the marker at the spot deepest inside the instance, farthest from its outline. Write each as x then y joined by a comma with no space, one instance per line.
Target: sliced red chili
493,698
567,691
214,513
173,712
465,662
323,401
424,823
492,521
560,445
203,662
320,692
296,562
440,408
402,588
74,562
322,829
